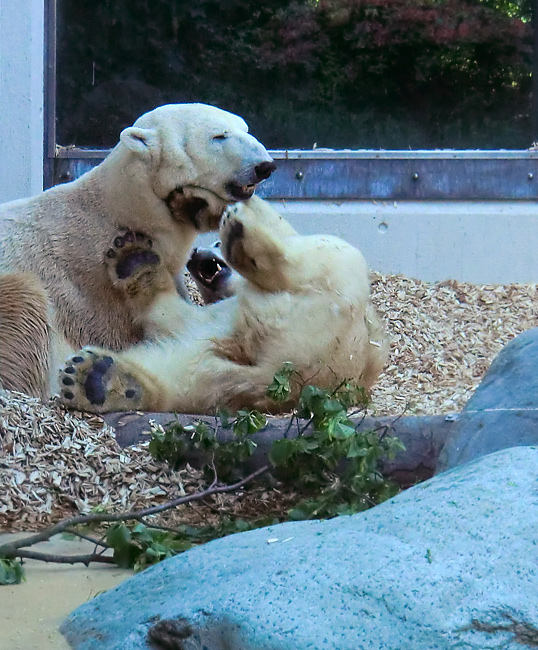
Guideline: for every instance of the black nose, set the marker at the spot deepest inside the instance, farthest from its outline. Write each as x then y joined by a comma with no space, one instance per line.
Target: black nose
264,170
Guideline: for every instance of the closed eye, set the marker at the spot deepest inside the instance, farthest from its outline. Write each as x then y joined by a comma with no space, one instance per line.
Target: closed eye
221,136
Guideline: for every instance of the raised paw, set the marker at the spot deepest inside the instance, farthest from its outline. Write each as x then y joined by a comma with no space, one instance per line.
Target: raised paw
255,243
131,258
95,381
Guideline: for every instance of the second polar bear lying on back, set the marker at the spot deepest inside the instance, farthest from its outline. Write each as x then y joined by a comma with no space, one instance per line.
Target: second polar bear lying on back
301,299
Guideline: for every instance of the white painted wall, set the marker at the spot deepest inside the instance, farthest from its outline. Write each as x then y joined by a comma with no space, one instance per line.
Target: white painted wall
471,241
21,98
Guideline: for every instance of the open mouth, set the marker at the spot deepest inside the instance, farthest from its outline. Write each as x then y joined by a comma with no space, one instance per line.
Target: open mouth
240,192
209,270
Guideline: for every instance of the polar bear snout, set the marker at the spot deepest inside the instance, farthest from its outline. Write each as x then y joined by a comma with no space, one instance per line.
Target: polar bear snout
264,170
242,187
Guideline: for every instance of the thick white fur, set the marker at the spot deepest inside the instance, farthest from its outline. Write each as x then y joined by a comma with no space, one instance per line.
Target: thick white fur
303,299
52,246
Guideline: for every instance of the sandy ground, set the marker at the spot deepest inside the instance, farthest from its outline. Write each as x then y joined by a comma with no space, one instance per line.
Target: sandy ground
30,613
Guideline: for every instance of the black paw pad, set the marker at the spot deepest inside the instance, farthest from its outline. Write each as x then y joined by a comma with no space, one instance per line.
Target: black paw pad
132,250
130,263
94,386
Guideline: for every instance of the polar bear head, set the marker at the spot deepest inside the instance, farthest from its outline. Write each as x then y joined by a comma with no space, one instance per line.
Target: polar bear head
202,154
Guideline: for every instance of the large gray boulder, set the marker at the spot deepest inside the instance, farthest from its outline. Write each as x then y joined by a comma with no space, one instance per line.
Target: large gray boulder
503,412
450,563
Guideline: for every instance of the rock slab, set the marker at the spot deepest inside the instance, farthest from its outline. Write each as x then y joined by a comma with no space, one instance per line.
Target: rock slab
450,563
503,412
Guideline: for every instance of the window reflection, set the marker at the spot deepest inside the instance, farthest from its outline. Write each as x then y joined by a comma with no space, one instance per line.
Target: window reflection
392,74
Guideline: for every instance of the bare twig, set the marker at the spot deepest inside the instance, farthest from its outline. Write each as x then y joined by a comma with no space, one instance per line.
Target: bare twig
389,427
64,559
97,542
291,420
303,429
13,549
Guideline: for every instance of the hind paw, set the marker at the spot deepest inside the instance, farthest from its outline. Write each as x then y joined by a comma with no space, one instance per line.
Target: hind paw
131,258
95,381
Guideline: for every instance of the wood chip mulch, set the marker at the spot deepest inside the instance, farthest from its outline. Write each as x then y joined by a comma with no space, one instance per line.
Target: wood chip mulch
444,336
55,464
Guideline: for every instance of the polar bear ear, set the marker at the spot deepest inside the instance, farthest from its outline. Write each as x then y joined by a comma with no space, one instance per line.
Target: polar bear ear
141,141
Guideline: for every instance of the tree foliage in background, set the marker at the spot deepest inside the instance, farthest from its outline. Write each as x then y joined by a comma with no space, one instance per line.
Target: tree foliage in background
339,73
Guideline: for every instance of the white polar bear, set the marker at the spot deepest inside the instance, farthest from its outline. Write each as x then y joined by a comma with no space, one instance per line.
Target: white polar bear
170,177
301,299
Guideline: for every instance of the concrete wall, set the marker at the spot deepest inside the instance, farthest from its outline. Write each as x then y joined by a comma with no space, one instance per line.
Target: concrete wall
21,98
472,241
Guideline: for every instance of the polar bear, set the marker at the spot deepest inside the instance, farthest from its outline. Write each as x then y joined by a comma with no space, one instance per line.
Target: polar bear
212,277
301,299
170,176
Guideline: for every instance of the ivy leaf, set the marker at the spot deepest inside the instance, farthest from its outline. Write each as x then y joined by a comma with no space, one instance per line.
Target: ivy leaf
126,552
393,447
338,427
279,389
118,536
307,443
332,406
126,557
281,451
311,401
224,418
248,422
356,449
144,534
11,572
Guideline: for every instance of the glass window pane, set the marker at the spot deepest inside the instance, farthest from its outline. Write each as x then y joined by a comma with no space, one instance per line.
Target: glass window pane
392,74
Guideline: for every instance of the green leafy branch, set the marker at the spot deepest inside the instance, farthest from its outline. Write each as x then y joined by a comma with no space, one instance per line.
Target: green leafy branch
322,455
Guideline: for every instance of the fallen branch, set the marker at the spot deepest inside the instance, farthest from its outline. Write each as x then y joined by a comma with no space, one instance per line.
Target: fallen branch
13,550
63,559
423,437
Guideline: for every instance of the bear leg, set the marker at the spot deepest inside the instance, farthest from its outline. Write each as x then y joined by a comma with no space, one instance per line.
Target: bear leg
102,381
24,335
